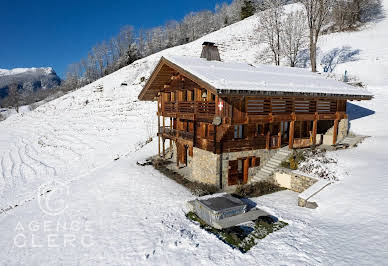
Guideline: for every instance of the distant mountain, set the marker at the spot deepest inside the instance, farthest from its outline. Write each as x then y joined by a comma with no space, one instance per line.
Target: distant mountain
29,80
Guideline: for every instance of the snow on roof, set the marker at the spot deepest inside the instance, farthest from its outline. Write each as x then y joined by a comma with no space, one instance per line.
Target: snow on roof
266,78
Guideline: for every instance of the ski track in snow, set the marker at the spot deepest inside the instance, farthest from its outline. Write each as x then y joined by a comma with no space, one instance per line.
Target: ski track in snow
63,133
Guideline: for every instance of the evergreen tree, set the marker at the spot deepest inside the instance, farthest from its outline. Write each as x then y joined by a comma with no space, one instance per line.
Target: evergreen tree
132,54
247,9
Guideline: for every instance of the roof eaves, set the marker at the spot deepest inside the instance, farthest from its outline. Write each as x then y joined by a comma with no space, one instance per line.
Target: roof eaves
292,94
190,75
151,79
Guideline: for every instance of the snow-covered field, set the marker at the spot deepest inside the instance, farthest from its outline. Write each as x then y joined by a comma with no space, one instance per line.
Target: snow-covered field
115,212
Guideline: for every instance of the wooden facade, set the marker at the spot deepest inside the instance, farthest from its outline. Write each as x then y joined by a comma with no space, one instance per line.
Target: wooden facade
192,113
248,122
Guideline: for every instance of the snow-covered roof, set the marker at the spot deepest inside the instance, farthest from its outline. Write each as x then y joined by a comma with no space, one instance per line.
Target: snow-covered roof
234,76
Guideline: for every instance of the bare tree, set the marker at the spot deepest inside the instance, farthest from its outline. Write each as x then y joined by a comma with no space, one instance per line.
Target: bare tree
270,27
316,12
294,36
348,14
109,56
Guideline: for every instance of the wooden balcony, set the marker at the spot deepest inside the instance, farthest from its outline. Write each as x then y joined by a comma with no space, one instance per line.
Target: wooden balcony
174,134
200,109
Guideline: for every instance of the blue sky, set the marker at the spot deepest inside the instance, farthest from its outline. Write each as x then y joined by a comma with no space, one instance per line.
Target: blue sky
54,33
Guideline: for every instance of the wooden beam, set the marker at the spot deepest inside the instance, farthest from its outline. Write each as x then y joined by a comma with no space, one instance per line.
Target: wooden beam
177,153
314,137
216,103
215,139
158,136
291,137
267,140
194,134
159,146
177,127
246,170
164,150
171,127
335,130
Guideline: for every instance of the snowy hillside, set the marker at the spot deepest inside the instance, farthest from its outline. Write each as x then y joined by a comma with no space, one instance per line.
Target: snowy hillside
136,215
74,134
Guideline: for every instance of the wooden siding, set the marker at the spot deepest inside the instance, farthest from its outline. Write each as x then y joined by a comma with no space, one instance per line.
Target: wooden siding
192,108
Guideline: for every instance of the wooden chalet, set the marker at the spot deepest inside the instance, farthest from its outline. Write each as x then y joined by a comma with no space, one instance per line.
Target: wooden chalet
233,114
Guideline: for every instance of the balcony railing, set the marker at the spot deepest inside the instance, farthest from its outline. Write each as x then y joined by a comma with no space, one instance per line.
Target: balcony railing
167,130
173,133
170,107
186,135
193,107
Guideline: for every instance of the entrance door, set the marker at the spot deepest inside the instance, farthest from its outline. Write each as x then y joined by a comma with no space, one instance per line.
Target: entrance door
239,170
235,174
285,130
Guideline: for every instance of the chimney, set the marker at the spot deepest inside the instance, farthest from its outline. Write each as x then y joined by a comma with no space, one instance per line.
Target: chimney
210,51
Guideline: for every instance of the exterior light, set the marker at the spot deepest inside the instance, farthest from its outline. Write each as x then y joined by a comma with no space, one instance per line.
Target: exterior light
204,95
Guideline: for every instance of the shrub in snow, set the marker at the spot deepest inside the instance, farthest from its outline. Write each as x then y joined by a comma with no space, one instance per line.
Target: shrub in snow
318,163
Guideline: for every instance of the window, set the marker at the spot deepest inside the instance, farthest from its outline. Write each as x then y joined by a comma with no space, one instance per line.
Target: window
191,94
302,129
260,130
284,129
167,97
204,94
213,98
238,131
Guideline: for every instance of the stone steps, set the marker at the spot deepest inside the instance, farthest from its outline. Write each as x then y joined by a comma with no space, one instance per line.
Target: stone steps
267,170
272,163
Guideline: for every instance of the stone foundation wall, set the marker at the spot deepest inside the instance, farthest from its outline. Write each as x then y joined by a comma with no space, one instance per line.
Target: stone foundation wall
343,129
205,167
300,183
297,182
264,155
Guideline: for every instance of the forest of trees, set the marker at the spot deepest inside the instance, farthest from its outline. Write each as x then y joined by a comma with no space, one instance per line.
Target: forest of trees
132,44
285,35
290,35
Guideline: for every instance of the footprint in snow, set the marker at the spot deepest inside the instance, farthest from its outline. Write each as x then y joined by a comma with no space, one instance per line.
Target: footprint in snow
148,255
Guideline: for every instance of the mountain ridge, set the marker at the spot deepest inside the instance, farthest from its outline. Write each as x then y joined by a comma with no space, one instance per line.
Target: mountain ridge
28,80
